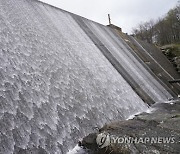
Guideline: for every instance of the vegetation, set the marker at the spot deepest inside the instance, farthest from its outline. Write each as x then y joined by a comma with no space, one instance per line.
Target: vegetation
164,31
172,52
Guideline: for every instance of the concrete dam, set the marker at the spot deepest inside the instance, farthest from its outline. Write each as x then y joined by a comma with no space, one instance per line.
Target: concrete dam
61,75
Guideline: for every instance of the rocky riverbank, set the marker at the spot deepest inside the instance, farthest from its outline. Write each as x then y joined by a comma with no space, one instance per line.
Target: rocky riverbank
172,52
157,132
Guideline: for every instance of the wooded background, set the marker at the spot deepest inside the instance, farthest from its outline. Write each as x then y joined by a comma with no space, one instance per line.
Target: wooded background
164,31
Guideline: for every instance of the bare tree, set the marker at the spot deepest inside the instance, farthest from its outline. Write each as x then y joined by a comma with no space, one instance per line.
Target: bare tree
164,31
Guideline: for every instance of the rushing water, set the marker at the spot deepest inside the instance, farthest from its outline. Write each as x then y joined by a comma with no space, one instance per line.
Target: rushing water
55,84
77,150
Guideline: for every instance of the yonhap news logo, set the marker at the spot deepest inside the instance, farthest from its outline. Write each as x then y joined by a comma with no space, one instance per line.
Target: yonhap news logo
105,140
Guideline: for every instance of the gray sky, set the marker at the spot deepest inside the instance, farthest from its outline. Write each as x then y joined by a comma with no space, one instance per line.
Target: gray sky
124,13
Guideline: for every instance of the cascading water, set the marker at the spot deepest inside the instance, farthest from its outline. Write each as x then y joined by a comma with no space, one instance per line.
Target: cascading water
132,64
55,84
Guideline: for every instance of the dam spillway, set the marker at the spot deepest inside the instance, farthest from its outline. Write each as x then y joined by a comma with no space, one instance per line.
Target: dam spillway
61,75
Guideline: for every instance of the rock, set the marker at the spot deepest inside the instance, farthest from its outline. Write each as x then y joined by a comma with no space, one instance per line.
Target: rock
157,132
89,141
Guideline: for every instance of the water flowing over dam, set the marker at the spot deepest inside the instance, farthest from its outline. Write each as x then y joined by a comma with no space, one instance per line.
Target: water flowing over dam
61,75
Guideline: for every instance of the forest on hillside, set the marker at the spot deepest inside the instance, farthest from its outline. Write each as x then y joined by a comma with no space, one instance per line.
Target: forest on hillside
165,30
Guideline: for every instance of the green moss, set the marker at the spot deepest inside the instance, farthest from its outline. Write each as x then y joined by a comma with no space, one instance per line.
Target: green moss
173,49
176,116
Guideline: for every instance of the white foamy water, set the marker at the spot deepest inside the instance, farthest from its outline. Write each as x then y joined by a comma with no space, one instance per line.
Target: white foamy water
55,84
149,110
77,150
